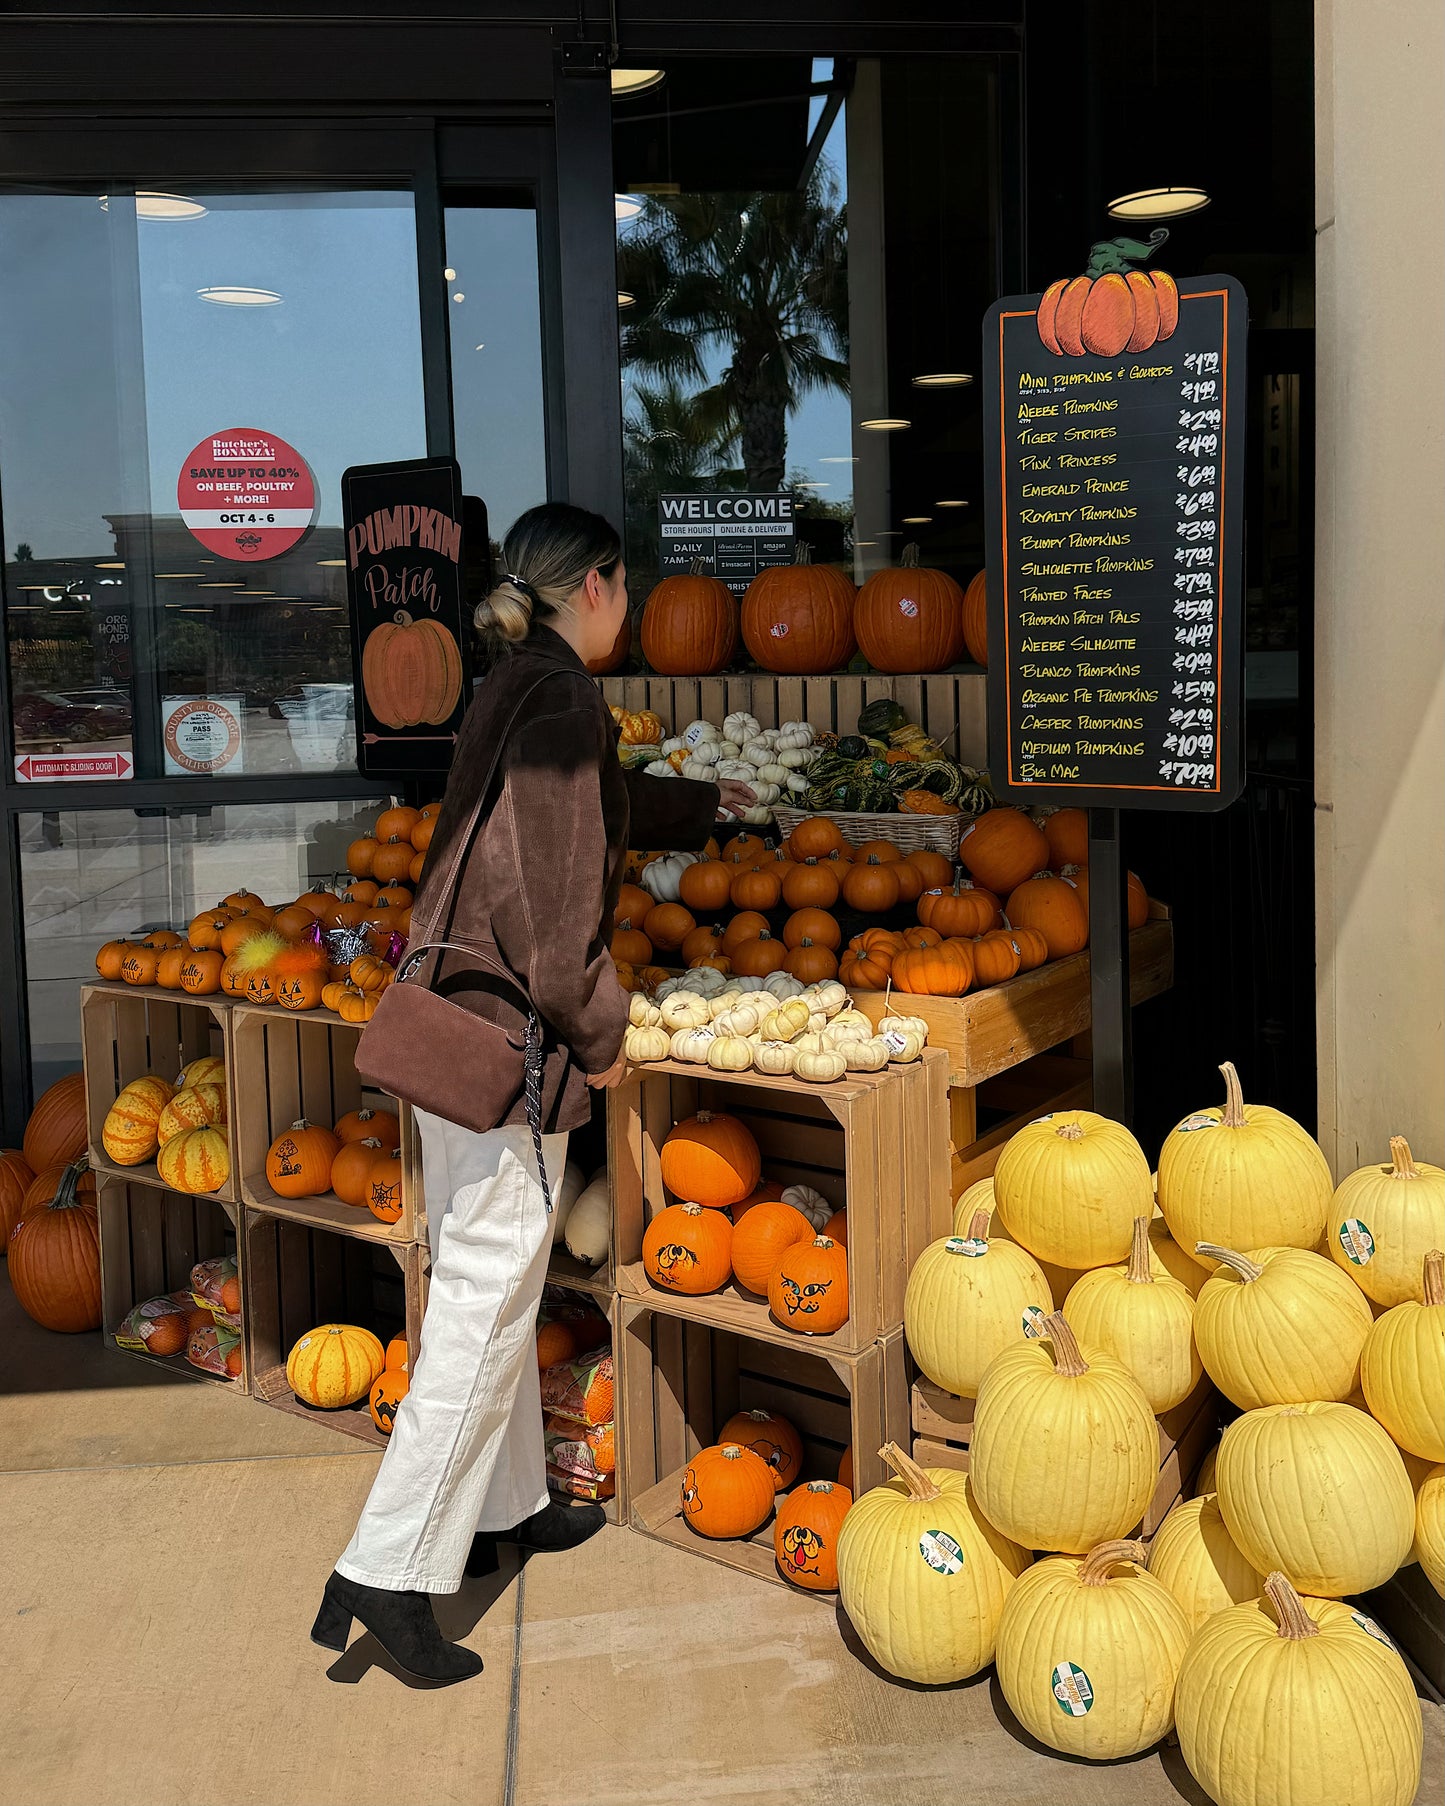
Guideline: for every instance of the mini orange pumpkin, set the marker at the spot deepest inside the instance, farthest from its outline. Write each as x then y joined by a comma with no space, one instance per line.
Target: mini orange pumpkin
746,926
1002,848
812,884
816,837
744,846
377,1125
205,930
110,957
704,942
883,850
726,1492
935,869
811,964
1055,908
943,971
300,990
814,925
763,1234
360,854
298,1162
632,902
384,1399
392,859
667,926
871,886
805,1534
996,958
351,1170
964,908
688,1249
759,889
396,822
630,946
705,885
1033,949
808,1289
357,1006
169,966
201,972
384,1195
260,986
773,1438
368,973
138,966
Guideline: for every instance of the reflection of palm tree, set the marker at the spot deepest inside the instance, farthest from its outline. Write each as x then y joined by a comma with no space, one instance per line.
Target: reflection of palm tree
759,277
674,441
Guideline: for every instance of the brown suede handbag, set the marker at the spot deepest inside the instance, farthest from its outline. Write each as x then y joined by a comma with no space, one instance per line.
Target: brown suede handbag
437,1055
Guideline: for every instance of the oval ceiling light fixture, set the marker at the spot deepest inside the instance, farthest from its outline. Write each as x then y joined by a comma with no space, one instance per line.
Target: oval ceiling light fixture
626,300
329,563
837,460
449,274
627,82
626,206
228,295
917,520
950,504
943,379
886,424
152,205
112,564
1158,203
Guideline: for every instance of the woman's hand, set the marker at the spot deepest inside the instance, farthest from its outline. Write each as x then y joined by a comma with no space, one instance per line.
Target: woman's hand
733,797
609,1080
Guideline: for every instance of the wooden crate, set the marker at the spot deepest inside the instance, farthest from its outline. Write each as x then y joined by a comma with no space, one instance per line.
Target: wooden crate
952,706
875,1142
986,1032
149,1241
294,1277
127,1031
287,1065
679,1382
943,1429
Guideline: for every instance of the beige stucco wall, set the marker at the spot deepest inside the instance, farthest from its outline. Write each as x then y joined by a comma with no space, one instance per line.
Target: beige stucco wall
1380,581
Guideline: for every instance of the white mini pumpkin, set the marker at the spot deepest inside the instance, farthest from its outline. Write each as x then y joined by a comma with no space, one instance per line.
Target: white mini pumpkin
865,1056
700,733
684,1009
730,1053
793,736
659,768
814,1206
741,726
691,1045
643,1044
589,1224
775,1058
642,1012
660,877
698,770
820,1068
782,985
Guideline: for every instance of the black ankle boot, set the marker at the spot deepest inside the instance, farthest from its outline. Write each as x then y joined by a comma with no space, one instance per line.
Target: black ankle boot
403,1624
553,1528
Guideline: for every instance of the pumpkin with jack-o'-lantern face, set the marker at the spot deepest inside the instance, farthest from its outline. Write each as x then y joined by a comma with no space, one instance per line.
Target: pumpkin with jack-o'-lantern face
726,1491
808,1290
805,1534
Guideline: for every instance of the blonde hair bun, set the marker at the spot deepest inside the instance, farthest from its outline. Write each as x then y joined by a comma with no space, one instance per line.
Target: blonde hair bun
504,614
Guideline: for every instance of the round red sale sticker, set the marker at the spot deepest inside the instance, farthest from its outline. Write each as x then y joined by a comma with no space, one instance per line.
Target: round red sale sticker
246,494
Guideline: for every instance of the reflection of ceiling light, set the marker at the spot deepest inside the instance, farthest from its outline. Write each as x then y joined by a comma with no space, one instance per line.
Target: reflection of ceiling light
1158,203
449,274
950,504
166,206
178,573
635,81
113,565
218,585
329,562
626,300
458,295
626,206
837,460
917,520
885,425
481,347
228,296
815,485
942,379
860,544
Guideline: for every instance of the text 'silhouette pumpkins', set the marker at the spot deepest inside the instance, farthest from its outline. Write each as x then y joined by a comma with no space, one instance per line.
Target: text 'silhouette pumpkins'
711,1159
1065,1450
335,1365
923,1574
975,619
1143,1318
909,618
1245,1176
55,1132
805,1535
54,1253
1385,1220
1069,1186
1194,1555
967,1300
799,617
411,671
1088,1652
1300,1702
726,1492
689,625
1318,1491
1001,849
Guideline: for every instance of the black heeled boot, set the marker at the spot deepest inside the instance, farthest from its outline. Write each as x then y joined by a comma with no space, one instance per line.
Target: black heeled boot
554,1527
403,1624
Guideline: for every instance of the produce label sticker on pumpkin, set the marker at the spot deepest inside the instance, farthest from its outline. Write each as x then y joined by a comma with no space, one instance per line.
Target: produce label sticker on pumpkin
1357,1242
1198,1121
897,1041
907,606
972,1246
1032,1322
1072,1689
1371,1629
941,1552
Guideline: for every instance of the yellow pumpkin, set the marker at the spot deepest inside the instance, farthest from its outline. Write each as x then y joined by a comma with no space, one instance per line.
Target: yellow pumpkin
1143,1319
1298,1703
194,1107
1385,1220
1065,1450
196,1160
1402,1368
1244,1176
1069,1187
210,1069
1174,1260
967,1299
1204,1479
335,1365
1088,1651
923,1576
1194,1555
1318,1491
979,1196
1429,1548
129,1133
1280,1326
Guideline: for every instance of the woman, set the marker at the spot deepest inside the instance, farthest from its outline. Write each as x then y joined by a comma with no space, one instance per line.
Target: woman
465,1467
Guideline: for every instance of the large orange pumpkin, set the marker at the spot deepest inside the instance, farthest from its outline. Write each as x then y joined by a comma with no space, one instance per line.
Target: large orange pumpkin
909,618
411,672
55,1132
761,1238
799,617
50,1181
55,1259
975,620
1067,832
298,1162
808,1289
726,1492
1055,908
1002,848
689,625
15,1179
687,1249
774,1438
805,1534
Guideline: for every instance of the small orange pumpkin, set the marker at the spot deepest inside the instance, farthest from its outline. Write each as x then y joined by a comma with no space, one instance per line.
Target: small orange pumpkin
169,965
633,902
351,1170
805,1534
201,972
760,956
298,1162
1067,832
706,885
384,1194
392,859
388,1389
377,1125
996,958
1055,908
771,1437
293,921
368,973
935,869
630,946
1033,949
727,1492
746,926
943,971
811,884
205,930
667,926
261,986
396,822
300,990
746,847
711,1159
138,966
704,942
964,908
357,1006
811,964
688,1249
871,886
1002,848
814,925
109,958
762,1235
758,889
808,1289
360,854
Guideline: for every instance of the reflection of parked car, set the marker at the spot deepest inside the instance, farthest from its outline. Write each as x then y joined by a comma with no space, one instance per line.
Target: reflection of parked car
92,713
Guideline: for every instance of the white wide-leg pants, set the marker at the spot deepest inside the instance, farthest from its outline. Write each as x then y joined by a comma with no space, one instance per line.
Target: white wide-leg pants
466,1452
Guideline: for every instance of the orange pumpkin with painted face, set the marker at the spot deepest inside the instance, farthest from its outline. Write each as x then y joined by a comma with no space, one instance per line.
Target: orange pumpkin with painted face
808,1290
774,1438
688,1249
805,1535
726,1492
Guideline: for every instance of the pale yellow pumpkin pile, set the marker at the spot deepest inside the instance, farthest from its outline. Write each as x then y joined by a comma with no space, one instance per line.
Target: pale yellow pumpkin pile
774,1025
1074,1309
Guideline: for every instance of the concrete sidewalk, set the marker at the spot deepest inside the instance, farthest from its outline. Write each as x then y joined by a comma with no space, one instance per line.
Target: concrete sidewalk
167,1549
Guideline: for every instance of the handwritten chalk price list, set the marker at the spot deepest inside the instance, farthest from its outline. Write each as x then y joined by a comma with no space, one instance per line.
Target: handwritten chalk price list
1114,535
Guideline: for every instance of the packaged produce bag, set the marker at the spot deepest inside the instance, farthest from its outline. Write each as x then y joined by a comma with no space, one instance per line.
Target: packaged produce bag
581,1390
578,1487
216,1350
215,1288
158,1326
574,1448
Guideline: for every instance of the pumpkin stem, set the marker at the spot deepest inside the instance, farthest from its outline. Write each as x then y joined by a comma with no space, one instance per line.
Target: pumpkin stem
703,1116
300,1123
920,1488
1094,1568
802,552
1233,1117
1295,1623
1241,1264
909,560
1402,1165
1433,1290
1140,1273
1070,1131
978,1224
1067,1358
67,1196
730,1451
692,1210
402,618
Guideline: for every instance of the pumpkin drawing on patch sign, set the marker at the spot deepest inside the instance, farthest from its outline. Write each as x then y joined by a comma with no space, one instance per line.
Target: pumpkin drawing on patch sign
411,672
1113,307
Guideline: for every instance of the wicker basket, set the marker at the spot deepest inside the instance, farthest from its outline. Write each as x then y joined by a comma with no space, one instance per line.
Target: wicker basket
910,833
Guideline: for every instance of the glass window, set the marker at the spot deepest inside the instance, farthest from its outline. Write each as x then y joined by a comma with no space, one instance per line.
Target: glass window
93,875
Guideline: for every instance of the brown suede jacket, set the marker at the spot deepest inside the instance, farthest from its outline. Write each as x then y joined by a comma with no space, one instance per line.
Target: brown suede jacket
540,883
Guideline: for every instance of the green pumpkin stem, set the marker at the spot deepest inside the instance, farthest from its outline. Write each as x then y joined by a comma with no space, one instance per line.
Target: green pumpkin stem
67,1195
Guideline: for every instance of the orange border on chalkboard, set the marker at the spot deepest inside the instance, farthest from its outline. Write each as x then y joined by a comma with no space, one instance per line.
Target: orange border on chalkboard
1032,313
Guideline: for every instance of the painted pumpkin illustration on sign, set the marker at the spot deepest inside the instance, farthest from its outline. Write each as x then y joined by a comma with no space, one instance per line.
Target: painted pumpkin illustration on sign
1113,307
411,671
